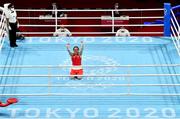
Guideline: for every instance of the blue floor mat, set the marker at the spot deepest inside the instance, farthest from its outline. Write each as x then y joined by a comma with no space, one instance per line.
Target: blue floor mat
98,51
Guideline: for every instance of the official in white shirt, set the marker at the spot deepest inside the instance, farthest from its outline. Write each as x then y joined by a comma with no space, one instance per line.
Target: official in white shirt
11,16
122,32
62,32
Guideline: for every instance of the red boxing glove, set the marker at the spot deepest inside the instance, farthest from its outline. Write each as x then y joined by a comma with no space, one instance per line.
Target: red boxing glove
12,100
9,102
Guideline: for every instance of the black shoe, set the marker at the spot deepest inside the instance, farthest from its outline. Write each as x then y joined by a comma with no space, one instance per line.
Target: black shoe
12,46
79,78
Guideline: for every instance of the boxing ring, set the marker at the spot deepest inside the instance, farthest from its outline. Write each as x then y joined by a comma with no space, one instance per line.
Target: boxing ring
124,77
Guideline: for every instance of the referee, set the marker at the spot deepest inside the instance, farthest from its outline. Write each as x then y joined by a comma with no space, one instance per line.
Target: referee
11,16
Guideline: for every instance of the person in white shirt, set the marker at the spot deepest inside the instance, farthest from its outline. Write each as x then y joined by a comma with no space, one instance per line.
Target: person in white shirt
122,32
1,10
62,32
11,16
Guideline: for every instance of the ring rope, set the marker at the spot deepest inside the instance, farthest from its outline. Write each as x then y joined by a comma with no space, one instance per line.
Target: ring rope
64,66
88,10
84,85
109,18
91,94
92,32
109,75
36,25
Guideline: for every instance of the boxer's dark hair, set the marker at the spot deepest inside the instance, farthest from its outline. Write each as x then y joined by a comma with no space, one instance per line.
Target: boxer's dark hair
75,47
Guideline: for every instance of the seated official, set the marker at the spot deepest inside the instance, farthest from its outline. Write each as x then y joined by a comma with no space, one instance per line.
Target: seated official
62,32
122,32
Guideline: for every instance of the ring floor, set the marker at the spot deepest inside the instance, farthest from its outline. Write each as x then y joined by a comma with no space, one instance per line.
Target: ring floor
98,51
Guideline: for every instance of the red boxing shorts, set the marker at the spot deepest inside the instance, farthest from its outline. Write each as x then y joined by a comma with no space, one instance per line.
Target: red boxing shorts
76,72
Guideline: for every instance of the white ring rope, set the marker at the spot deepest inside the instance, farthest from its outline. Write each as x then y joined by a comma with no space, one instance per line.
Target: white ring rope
84,85
106,75
177,39
175,19
3,30
174,26
36,25
91,32
2,41
90,66
175,35
2,17
60,18
92,94
175,44
88,10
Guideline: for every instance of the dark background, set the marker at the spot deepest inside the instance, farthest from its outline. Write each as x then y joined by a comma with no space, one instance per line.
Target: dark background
90,3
